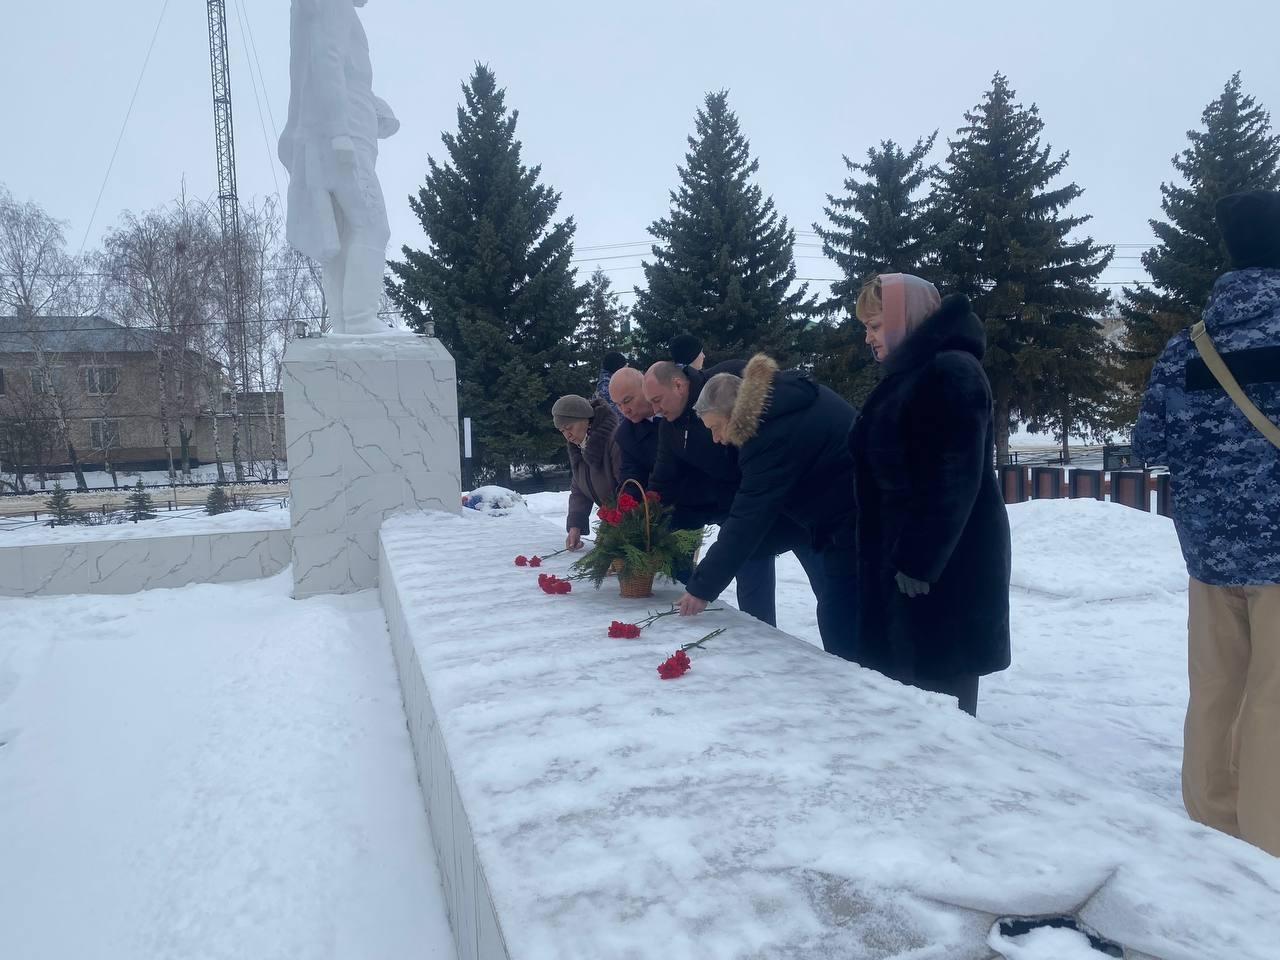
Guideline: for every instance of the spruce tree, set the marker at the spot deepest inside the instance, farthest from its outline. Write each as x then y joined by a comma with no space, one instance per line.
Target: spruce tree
604,321
723,265
495,278
1008,244
1235,150
217,501
141,507
880,224
59,504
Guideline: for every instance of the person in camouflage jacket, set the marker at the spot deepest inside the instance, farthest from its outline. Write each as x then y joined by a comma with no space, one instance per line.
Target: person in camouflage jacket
1225,477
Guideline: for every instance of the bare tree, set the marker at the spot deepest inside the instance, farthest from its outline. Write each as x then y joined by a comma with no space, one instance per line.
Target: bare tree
280,286
161,267
38,279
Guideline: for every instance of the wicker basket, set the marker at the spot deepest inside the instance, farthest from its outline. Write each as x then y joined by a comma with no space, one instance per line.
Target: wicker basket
635,586
615,568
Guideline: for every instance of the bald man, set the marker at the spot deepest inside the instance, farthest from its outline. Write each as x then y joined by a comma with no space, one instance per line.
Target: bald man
637,433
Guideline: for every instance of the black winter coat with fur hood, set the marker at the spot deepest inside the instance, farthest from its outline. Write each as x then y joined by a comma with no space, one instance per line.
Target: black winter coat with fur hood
792,436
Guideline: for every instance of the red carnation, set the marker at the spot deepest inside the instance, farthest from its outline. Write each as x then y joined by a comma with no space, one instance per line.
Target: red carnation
653,496
535,561
522,560
623,631
627,503
674,666
550,583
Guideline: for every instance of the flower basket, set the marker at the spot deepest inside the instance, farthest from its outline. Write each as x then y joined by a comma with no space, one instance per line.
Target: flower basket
635,586
634,540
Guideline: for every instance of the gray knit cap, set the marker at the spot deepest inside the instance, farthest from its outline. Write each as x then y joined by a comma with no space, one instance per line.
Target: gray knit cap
569,408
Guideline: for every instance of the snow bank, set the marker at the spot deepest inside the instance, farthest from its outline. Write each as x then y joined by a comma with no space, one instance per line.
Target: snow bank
1093,550
215,772
165,524
774,801
493,501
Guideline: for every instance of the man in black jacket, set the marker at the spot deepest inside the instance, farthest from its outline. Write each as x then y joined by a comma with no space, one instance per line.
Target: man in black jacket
637,434
796,492
699,477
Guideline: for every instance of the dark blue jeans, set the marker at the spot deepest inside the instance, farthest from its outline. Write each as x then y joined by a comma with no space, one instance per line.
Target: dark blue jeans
838,599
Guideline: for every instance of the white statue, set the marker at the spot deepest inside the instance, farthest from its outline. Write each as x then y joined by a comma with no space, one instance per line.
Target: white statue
336,213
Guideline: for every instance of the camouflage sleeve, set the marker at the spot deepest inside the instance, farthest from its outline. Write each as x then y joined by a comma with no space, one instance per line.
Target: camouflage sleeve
1150,440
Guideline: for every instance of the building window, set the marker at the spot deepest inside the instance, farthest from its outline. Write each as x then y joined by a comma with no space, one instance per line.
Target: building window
105,434
1,383
101,381
38,383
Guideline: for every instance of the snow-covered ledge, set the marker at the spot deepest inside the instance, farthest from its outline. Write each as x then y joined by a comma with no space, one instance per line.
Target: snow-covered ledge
773,802
128,558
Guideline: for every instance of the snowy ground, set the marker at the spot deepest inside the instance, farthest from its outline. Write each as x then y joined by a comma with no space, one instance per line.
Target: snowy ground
211,772
271,515
1099,619
219,771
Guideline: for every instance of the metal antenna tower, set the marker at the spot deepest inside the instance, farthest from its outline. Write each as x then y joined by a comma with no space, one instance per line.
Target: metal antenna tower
229,206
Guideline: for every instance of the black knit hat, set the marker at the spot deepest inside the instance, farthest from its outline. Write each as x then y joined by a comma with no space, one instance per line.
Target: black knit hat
685,349
613,362
1250,225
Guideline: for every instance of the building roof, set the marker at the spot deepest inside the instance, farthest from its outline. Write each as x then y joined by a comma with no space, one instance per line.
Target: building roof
71,335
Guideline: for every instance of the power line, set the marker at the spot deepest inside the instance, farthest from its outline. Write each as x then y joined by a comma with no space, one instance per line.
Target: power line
128,113
266,96
253,82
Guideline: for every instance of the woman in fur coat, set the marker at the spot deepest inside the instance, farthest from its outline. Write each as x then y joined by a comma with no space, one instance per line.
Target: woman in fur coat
933,534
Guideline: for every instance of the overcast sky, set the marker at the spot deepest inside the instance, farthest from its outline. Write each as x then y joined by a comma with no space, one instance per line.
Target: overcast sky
607,94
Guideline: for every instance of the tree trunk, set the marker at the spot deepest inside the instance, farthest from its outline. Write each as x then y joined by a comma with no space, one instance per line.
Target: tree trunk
217,448
165,436
269,418
184,449
235,436
1066,433
81,484
1002,429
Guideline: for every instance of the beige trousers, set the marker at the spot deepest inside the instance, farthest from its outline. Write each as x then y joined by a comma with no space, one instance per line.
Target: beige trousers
1231,757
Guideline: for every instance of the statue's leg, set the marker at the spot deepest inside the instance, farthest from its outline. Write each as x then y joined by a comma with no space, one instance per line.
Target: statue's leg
364,243
335,275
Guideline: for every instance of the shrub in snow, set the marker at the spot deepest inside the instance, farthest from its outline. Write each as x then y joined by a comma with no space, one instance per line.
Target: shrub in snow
140,504
217,502
59,504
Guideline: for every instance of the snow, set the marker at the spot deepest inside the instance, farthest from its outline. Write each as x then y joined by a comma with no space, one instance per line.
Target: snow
216,772
221,771
778,802
22,533
101,479
1099,620
495,501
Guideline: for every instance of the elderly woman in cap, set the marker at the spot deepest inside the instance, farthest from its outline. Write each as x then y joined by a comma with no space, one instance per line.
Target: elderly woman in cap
587,427
933,534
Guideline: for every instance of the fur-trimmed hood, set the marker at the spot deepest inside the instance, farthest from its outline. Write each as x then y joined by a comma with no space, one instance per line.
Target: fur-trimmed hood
766,394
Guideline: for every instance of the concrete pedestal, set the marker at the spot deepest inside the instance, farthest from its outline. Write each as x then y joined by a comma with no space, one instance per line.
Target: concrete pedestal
372,424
